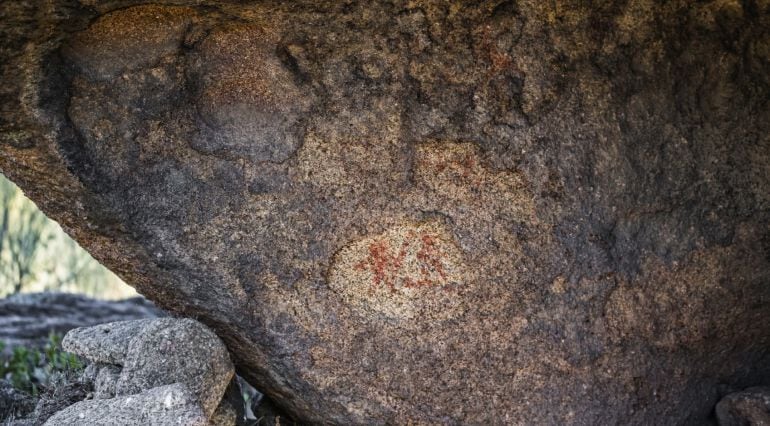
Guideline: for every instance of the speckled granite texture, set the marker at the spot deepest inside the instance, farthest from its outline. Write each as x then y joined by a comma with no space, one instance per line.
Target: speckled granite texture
170,405
456,212
135,356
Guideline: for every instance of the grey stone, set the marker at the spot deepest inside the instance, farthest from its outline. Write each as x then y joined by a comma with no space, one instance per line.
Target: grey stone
106,381
91,372
748,407
104,343
170,350
167,405
420,211
155,352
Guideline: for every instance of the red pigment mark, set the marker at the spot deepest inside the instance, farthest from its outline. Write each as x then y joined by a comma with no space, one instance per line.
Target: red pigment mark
469,172
379,262
500,62
428,255
386,267
468,164
424,282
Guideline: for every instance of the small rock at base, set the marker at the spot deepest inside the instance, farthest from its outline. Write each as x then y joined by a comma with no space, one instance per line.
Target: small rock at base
162,406
155,352
106,379
748,407
173,350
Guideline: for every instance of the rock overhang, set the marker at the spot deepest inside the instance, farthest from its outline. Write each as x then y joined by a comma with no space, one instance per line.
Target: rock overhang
265,166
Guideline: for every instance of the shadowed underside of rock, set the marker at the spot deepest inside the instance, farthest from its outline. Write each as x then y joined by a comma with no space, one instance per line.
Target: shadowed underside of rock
750,406
441,212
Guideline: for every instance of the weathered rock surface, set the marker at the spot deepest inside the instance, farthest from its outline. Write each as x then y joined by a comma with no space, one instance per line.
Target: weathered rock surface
748,407
145,354
29,319
104,343
225,415
428,211
106,381
170,405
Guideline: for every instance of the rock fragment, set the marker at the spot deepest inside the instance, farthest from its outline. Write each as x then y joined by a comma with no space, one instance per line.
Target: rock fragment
177,350
106,380
137,356
170,405
748,407
103,343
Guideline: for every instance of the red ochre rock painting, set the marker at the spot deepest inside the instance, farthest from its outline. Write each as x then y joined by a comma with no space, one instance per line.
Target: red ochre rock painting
385,264
409,271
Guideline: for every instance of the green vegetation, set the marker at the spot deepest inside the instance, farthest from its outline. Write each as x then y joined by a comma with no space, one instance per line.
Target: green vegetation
36,254
31,370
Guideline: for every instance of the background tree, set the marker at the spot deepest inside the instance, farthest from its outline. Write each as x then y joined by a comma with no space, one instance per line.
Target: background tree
36,254
23,233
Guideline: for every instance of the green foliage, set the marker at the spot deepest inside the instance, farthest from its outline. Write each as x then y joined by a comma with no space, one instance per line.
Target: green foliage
37,255
29,370
23,231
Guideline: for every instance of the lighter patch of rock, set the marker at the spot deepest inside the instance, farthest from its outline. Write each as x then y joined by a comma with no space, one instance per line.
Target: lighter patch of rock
412,271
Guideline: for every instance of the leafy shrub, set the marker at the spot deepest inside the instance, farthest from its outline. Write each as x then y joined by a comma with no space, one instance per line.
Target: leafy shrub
29,369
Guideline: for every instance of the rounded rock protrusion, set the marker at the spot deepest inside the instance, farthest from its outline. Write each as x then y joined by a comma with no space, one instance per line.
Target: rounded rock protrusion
249,102
129,39
142,355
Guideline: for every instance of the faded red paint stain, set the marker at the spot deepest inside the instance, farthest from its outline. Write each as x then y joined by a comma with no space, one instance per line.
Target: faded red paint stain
457,166
468,166
387,267
462,167
500,62
429,256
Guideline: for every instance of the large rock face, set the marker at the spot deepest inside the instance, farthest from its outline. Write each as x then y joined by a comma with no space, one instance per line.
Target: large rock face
428,211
